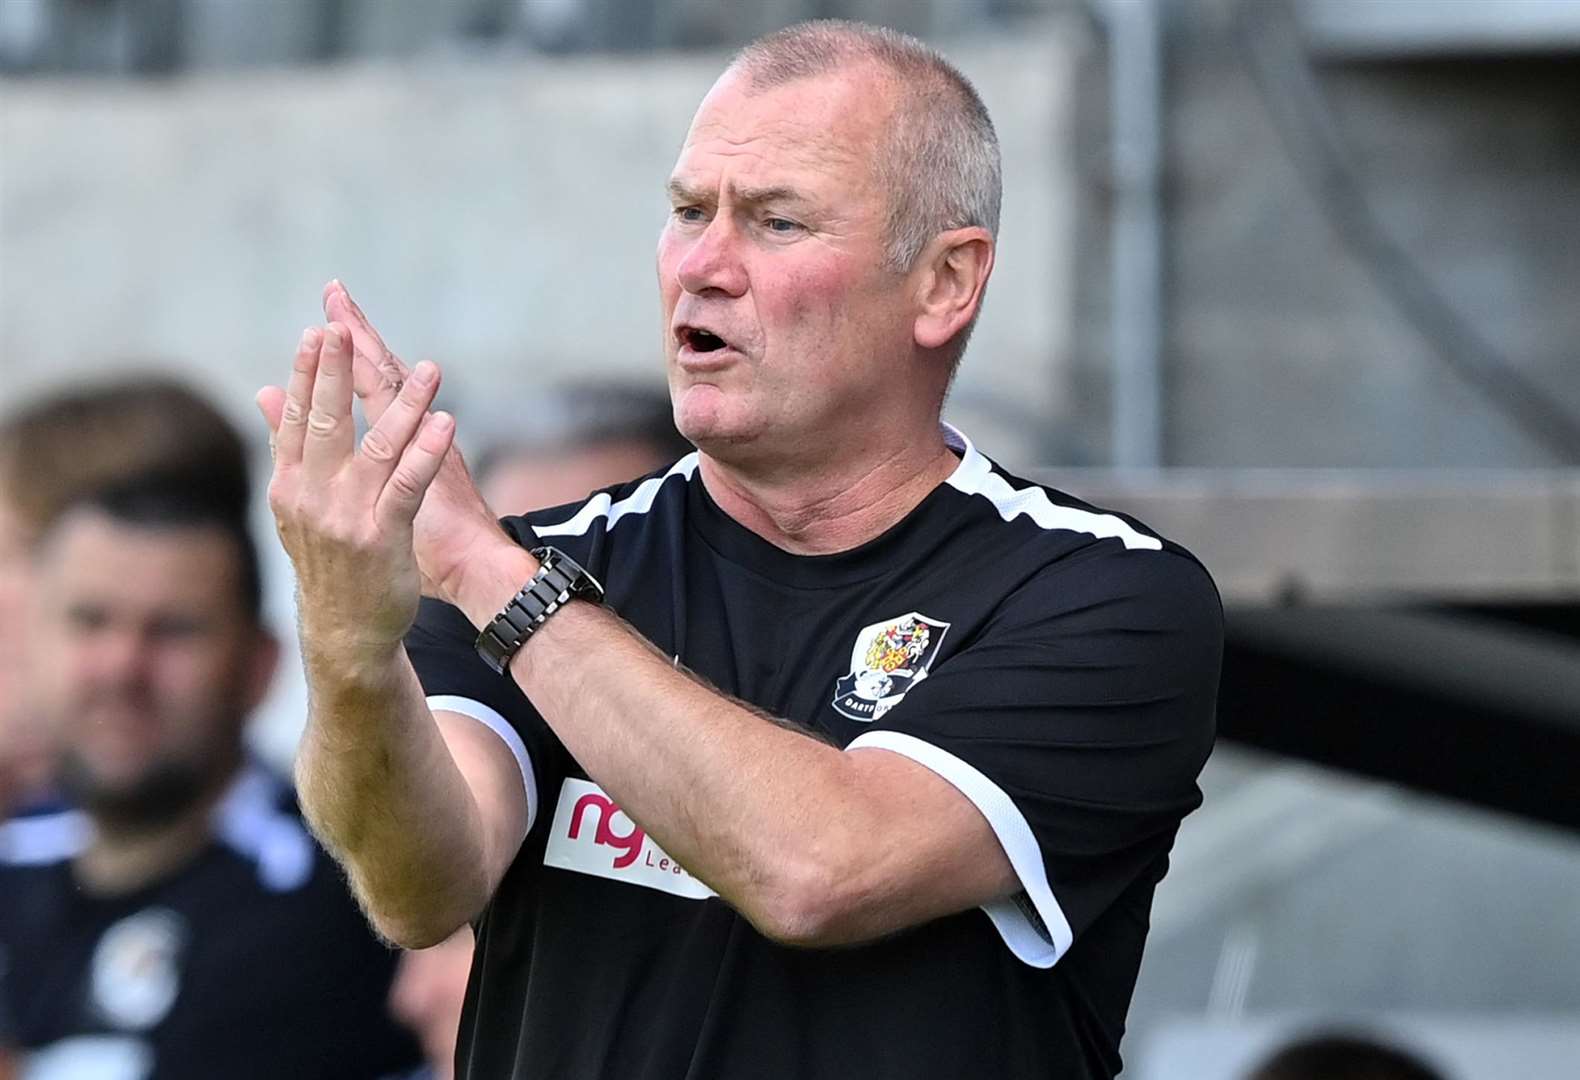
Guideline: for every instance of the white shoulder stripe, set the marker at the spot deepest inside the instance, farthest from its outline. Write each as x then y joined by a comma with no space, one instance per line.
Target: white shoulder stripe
248,820
975,476
601,505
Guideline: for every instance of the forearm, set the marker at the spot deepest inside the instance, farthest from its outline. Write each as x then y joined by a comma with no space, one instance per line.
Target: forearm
382,790
742,801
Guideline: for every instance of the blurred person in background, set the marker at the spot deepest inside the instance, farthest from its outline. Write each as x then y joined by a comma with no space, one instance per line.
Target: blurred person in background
428,994
1342,1057
52,450
24,755
180,922
873,759
593,435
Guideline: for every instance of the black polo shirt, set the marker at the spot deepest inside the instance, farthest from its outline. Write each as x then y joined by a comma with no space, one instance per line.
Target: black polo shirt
250,962
1054,662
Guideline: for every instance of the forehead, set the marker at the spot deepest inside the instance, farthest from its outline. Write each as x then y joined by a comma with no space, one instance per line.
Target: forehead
179,567
821,125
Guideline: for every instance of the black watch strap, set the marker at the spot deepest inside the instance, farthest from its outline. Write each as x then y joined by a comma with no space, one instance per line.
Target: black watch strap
559,580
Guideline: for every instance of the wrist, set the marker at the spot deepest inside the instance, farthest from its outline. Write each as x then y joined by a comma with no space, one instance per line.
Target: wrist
558,581
492,580
337,663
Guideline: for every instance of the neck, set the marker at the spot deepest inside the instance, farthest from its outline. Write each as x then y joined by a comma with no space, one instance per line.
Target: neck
122,858
834,502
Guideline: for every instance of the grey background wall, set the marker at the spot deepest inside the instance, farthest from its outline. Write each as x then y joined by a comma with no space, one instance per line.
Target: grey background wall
500,217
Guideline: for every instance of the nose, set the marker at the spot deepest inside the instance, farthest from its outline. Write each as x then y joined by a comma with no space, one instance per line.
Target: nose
120,656
712,261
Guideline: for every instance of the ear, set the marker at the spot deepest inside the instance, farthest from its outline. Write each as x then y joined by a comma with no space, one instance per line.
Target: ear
954,270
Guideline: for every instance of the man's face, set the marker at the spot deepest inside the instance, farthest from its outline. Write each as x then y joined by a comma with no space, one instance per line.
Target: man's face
144,662
779,313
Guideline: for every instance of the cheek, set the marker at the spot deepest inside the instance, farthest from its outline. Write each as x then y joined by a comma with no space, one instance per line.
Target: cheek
814,318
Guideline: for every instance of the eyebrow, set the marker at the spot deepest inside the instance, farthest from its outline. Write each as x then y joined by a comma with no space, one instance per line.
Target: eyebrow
682,192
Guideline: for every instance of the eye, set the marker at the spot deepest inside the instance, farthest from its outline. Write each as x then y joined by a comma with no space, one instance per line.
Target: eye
689,214
177,626
781,225
85,619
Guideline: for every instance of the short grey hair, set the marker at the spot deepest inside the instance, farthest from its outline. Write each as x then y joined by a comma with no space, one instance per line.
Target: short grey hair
941,165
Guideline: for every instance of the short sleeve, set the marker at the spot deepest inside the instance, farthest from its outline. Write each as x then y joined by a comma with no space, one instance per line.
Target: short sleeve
1077,721
455,679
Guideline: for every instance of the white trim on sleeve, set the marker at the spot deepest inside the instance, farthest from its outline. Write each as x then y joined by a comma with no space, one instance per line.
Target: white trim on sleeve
496,723
1025,940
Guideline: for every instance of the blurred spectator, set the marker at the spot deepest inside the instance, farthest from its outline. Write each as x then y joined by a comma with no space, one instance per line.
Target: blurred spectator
1342,1057
51,452
24,761
591,435
182,922
429,989
587,436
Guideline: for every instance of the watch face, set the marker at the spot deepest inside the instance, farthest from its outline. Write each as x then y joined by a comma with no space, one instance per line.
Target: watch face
582,583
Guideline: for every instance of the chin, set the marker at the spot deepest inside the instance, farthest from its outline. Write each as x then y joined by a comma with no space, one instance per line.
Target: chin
706,417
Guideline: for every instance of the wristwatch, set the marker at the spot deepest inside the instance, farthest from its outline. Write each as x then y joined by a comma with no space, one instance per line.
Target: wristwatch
559,580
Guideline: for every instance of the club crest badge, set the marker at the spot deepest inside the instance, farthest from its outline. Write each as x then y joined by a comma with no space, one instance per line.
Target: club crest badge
137,968
890,657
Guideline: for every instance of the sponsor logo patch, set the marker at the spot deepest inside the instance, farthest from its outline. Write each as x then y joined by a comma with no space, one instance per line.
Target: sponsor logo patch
890,658
591,835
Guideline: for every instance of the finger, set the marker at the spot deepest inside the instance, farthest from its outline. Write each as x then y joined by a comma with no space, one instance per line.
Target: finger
271,403
402,495
292,430
331,433
388,438
378,372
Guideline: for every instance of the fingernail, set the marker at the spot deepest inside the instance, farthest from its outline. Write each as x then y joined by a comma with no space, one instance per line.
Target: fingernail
442,421
334,335
424,372
309,339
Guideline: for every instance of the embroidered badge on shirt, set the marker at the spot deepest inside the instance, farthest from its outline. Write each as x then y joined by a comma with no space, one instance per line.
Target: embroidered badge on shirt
890,658
137,968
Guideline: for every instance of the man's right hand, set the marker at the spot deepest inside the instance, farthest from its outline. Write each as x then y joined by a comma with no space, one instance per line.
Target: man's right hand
425,811
454,528
345,512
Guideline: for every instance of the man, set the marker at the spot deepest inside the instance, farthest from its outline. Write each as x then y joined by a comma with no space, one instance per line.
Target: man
183,924
596,435
871,757
52,450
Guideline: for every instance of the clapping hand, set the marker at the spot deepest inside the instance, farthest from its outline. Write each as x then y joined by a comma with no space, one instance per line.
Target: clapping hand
345,510
368,525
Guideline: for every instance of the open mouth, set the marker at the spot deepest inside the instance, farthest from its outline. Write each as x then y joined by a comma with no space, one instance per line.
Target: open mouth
702,341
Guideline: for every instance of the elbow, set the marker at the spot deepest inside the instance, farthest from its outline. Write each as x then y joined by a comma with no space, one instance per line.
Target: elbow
808,907
412,928
411,933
